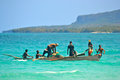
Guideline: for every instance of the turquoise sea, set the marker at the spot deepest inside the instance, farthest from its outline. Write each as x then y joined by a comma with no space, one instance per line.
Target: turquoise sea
108,68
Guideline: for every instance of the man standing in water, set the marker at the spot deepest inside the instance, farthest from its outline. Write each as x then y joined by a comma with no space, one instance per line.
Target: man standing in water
100,50
26,54
71,48
49,48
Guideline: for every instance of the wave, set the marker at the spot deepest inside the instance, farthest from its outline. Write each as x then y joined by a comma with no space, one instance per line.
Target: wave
20,60
53,72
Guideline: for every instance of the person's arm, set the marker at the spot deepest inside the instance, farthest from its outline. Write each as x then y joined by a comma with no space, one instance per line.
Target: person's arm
44,52
96,50
29,55
73,49
86,49
104,51
67,50
39,54
55,49
75,52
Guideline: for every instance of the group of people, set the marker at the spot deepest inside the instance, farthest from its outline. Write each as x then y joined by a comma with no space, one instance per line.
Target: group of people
72,52
51,48
90,49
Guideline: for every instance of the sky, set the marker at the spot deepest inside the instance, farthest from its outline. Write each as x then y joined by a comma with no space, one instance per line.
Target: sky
27,13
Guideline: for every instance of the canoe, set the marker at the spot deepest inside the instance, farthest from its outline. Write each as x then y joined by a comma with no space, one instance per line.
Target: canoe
61,58
78,58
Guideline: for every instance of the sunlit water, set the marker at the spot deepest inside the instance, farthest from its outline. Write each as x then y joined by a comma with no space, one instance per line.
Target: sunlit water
108,68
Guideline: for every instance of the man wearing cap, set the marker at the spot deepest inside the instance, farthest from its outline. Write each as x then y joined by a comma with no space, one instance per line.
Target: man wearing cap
90,48
49,48
89,44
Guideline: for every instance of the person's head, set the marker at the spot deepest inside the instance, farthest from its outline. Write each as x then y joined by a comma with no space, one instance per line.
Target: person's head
99,46
37,51
89,40
56,44
26,50
70,42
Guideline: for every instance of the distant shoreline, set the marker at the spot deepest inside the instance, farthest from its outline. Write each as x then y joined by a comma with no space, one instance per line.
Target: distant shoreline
101,32
59,32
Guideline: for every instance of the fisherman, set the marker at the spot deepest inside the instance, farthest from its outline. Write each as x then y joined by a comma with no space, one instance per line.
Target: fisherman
89,44
49,48
72,52
26,54
100,50
38,55
90,48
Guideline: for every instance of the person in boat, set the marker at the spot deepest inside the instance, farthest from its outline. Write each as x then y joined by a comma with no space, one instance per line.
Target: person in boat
89,44
38,55
90,48
100,50
71,50
26,54
49,48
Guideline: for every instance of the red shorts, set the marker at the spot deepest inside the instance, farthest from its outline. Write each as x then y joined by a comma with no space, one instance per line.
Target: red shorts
89,52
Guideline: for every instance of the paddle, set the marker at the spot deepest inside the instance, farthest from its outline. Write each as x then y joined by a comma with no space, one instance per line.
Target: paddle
81,54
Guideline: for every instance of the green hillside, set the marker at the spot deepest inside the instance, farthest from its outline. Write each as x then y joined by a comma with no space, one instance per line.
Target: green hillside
101,22
112,17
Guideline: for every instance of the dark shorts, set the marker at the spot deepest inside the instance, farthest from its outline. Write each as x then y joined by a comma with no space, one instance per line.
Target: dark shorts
71,53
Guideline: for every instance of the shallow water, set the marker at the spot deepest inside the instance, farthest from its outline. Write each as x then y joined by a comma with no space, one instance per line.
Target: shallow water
108,68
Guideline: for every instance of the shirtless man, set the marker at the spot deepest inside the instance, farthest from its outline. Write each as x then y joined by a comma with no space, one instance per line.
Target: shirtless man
100,50
38,55
26,54
49,48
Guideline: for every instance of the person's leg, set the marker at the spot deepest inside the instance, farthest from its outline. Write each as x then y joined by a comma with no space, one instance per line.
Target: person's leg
48,54
44,52
49,51
71,53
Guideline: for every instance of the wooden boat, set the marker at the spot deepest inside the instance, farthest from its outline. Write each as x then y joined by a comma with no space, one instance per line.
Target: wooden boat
61,58
78,58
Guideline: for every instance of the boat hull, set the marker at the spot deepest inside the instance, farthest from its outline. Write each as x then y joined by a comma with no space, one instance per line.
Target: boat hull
89,58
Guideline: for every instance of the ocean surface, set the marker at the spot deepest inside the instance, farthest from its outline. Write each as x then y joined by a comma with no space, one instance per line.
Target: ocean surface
108,68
